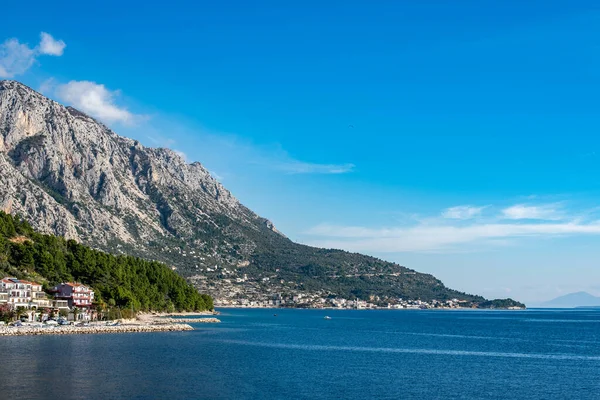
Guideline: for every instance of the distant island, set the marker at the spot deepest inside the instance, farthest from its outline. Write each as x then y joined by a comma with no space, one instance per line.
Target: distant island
573,300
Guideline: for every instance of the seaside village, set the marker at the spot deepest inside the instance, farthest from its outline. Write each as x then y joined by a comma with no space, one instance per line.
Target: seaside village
69,301
311,300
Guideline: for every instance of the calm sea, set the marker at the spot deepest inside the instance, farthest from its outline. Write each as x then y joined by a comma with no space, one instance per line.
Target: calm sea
254,354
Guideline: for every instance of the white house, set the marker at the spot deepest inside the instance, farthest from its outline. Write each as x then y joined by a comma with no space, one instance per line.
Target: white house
20,293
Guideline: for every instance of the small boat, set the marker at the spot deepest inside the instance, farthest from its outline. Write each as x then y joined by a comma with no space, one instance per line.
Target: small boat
274,315
327,317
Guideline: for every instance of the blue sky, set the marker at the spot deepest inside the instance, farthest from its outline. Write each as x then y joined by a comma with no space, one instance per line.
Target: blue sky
457,138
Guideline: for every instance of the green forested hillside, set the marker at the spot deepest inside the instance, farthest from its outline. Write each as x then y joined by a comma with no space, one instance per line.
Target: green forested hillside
125,281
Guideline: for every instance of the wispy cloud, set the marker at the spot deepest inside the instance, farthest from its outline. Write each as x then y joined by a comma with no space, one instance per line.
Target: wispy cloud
300,167
276,158
96,100
211,145
540,212
446,235
462,212
16,57
437,238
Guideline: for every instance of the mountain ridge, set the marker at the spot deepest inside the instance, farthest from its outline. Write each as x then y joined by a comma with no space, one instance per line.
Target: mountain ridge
72,176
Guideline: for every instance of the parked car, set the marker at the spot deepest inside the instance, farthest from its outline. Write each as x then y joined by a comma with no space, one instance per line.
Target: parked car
62,321
51,322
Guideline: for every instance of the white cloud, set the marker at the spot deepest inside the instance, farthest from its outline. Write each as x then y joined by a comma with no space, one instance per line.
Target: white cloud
442,238
462,212
50,46
16,58
540,212
96,100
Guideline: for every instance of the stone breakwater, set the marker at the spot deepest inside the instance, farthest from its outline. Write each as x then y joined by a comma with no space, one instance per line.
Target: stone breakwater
70,330
186,321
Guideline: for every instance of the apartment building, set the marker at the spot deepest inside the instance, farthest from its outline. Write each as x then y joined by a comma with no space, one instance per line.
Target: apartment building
76,294
20,293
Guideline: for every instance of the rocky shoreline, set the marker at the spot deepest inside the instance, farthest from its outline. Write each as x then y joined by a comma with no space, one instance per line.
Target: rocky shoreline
176,318
186,321
93,329
143,323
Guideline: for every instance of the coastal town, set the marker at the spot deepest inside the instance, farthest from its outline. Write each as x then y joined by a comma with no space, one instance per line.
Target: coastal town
71,302
28,302
234,288
69,308
317,301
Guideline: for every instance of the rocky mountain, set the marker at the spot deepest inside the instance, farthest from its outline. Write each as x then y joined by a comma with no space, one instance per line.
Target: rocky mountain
70,175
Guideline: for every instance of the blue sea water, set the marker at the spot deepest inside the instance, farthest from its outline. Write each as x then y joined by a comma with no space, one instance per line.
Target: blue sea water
298,354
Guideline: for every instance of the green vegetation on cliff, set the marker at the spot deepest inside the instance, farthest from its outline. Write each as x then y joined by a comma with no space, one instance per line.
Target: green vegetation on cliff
126,281
501,303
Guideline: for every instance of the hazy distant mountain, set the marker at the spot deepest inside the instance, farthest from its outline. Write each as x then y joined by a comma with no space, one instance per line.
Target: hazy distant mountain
572,300
72,176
